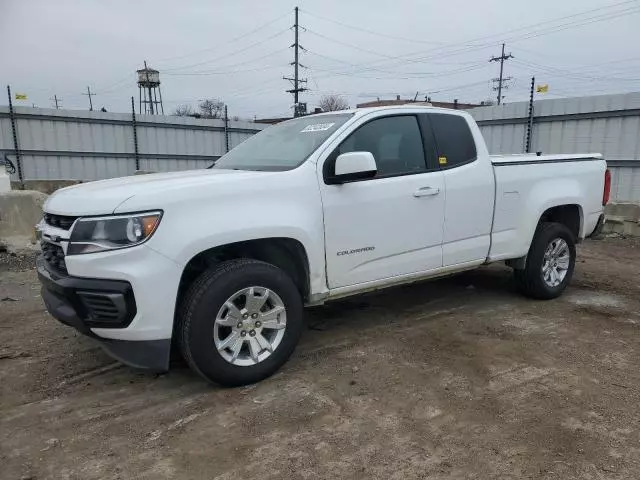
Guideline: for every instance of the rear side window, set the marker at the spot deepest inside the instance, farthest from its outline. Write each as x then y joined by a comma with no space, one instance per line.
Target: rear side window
453,139
395,143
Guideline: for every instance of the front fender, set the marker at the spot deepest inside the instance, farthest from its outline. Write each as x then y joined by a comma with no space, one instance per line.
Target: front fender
191,227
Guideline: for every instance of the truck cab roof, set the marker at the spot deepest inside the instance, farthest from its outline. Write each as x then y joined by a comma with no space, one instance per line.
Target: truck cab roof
418,106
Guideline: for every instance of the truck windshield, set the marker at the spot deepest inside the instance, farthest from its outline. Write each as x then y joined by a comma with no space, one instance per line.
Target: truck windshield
283,146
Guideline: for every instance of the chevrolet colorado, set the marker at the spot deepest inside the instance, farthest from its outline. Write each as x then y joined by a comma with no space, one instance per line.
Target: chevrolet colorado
220,262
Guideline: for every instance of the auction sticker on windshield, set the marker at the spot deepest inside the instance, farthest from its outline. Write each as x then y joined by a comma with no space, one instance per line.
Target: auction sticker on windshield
317,127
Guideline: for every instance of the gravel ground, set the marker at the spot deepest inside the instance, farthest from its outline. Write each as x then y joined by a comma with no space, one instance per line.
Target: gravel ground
457,378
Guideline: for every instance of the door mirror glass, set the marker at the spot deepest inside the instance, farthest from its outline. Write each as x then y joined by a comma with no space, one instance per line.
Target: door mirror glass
354,166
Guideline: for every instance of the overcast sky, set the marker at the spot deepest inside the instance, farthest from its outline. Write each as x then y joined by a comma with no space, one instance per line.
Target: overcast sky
238,51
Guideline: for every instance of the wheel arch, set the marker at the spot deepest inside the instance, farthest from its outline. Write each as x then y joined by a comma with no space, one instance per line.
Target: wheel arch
570,215
285,253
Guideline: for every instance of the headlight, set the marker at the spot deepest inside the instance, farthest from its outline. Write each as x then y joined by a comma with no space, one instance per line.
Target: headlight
98,234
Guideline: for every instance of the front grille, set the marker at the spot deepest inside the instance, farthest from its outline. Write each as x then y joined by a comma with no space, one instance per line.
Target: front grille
54,256
59,221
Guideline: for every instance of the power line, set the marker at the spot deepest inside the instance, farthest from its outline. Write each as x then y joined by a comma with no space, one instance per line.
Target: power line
239,93
218,71
116,85
440,90
234,39
232,72
356,47
588,69
397,75
458,87
474,40
533,34
472,45
334,59
573,75
379,34
235,52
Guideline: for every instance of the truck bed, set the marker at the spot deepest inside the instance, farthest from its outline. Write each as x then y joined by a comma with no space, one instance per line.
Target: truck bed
540,182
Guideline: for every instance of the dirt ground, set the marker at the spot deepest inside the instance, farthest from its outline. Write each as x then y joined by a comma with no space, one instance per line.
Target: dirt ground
457,378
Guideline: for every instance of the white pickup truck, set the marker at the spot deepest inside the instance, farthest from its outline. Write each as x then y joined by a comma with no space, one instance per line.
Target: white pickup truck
220,262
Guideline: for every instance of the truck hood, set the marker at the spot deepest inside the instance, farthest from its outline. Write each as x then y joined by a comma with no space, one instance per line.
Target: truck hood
104,196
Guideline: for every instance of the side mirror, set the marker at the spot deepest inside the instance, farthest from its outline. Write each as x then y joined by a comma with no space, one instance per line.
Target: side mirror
354,166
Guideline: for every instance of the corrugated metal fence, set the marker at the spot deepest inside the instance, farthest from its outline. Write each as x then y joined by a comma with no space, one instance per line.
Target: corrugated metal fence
82,145
608,124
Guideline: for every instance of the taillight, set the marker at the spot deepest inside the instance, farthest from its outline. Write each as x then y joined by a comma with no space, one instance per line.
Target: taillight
607,187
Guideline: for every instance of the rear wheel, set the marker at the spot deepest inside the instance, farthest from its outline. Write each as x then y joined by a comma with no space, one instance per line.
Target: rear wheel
240,321
550,262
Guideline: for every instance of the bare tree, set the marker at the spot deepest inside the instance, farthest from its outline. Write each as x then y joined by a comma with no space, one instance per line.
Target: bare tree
183,111
211,108
331,103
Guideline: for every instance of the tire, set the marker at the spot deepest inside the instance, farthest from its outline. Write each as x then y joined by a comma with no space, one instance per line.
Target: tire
200,338
531,281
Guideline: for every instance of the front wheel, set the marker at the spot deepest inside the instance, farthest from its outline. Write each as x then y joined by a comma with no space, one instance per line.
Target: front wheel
240,321
550,262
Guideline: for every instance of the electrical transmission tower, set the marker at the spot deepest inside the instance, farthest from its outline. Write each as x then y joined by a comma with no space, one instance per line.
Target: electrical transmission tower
501,81
298,107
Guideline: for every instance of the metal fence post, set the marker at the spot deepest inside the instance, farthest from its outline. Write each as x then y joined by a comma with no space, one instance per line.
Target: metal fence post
527,147
226,129
135,134
16,145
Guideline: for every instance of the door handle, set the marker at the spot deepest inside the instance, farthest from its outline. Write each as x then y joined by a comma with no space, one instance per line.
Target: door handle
426,191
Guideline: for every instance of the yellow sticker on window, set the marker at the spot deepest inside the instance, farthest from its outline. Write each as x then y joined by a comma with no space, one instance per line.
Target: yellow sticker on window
442,160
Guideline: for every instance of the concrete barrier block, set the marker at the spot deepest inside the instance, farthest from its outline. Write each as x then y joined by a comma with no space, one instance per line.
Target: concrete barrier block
20,211
44,186
5,181
622,218
627,211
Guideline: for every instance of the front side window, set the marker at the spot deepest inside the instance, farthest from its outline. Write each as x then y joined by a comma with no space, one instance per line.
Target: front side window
454,140
395,142
283,146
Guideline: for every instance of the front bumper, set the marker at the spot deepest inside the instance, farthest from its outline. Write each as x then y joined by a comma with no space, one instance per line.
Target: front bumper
85,303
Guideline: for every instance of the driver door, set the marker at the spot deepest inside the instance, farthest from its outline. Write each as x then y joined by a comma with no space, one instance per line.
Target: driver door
392,224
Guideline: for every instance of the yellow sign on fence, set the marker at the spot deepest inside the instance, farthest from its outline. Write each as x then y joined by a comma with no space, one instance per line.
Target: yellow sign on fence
542,88
21,96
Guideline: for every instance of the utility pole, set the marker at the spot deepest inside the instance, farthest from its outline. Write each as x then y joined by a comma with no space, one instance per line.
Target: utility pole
57,100
297,81
89,94
500,81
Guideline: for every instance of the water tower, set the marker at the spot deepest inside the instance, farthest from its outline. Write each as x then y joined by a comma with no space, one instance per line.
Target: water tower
149,89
